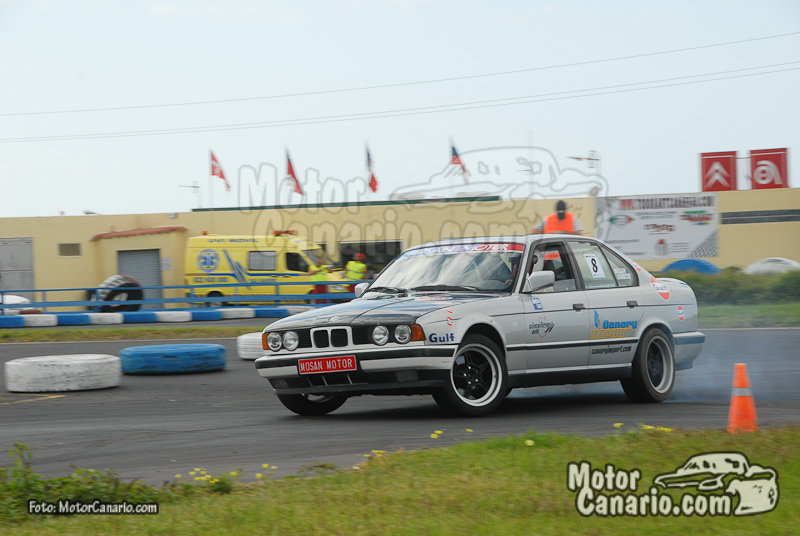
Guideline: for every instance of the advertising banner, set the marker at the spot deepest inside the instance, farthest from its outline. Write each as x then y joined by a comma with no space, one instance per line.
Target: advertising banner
768,169
648,227
718,171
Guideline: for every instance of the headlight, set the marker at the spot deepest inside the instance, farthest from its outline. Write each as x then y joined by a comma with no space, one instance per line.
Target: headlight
291,340
380,335
274,341
402,333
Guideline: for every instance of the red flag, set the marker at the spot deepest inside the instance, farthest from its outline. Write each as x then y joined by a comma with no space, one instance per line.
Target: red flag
373,182
456,160
290,173
216,171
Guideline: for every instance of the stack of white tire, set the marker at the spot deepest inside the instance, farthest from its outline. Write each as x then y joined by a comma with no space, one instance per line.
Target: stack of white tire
54,373
248,346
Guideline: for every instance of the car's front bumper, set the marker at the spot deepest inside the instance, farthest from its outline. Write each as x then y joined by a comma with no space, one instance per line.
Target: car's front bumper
397,370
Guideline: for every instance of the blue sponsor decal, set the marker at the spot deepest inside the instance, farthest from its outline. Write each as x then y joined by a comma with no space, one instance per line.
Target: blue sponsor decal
444,337
208,260
537,303
596,320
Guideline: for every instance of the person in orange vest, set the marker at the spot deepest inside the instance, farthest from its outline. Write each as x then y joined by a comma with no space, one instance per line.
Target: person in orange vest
561,222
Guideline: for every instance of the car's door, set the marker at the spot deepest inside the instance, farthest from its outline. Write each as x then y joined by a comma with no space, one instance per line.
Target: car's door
557,315
614,298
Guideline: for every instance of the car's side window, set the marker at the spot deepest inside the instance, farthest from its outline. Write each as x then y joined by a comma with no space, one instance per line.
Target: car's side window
625,275
553,257
261,260
296,263
593,266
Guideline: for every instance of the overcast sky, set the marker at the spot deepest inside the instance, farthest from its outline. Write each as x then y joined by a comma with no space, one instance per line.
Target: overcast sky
115,69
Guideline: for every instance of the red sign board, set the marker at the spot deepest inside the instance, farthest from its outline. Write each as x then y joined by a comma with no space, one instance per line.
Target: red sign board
327,364
718,171
768,169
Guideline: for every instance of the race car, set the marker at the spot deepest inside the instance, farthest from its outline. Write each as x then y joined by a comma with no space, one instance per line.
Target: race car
468,320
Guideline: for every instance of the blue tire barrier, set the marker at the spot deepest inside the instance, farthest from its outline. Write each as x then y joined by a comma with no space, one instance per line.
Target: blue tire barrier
138,317
73,319
172,358
270,312
206,314
12,322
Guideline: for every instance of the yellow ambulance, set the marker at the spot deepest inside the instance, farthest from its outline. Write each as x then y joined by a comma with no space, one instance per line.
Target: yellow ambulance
244,259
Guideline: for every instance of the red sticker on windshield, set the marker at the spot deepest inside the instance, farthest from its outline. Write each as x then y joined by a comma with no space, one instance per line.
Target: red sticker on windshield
498,247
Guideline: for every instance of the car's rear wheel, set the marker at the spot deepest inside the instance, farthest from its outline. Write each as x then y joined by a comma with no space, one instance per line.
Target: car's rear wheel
478,381
312,404
653,371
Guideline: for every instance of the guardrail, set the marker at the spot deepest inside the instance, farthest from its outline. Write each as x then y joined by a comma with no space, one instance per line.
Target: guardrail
191,298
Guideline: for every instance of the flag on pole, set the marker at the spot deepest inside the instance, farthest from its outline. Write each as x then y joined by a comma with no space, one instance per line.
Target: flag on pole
456,160
216,171
290,174
373,182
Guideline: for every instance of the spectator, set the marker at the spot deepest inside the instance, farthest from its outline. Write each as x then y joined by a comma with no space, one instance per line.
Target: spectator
561,222
355,269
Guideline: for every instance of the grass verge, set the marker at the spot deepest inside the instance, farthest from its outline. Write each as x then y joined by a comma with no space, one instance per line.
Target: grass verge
750,316
514,485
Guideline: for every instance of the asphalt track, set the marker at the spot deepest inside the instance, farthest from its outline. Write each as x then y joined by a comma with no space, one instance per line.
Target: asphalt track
152,427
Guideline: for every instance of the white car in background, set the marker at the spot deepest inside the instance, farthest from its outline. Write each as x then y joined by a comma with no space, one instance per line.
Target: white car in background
12,299
467,320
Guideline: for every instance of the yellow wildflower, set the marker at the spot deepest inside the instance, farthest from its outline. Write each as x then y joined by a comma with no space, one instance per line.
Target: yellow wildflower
530,442
259,476
177,476
265,466
619,424
663,429
469,430
648,427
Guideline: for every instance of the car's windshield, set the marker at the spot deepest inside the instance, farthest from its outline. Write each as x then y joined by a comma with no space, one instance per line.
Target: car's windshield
467,267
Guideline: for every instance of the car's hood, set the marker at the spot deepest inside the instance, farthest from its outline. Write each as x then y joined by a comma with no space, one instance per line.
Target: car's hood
383,309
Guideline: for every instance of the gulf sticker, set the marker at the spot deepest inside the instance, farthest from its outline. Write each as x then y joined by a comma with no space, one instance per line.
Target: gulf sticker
659,287
680,312
638,268
552,255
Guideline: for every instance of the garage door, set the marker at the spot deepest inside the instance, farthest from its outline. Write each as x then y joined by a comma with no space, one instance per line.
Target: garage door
145,266
16,264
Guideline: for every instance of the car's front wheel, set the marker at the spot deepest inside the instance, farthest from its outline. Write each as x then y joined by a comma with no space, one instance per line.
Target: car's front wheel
478,381
312,404
653,371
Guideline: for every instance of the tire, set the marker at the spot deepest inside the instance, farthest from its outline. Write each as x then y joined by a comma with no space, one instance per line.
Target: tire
172,358
478,379
39,321
54,373
653,371
238,312
248,346
105,318
173,316
312,405
118,289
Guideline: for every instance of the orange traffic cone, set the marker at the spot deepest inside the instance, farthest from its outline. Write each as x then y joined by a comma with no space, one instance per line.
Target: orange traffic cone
742,416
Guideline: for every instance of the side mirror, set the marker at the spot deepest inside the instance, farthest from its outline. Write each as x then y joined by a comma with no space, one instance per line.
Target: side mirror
538,280
360,289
